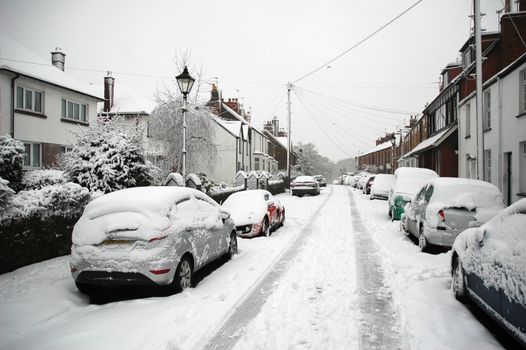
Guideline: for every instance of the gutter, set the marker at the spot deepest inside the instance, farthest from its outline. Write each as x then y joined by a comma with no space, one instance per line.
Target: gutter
13,104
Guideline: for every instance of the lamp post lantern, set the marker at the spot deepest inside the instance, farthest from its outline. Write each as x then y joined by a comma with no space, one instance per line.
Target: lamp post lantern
185,83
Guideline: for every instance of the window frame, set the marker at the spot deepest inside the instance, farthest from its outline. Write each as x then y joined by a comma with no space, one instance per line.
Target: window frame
23,106
487,165
486,110
522,91
31,164
467,129
69,108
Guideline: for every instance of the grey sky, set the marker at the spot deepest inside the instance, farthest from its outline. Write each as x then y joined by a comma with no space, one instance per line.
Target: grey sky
254,48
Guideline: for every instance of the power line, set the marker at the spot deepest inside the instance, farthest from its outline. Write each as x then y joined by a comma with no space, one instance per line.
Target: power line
358,43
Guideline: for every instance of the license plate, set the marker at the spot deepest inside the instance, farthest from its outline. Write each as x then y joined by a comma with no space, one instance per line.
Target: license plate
116,241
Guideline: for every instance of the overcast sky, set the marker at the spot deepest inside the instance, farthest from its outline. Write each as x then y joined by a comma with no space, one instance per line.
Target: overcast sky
254,48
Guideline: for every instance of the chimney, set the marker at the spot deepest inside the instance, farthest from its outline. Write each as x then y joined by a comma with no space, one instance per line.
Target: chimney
269,127
109,89
58,58
282,133
275,122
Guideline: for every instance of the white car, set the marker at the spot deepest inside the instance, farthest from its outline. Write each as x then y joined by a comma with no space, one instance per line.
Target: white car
149,236
305,185
381,186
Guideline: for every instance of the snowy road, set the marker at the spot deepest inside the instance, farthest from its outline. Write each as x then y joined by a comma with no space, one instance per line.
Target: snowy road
338,275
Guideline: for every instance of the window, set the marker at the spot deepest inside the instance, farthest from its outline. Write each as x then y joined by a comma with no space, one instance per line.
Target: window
32,156
74,111
468,120
256,163
486,113
522,89
29,100
487,165
65,149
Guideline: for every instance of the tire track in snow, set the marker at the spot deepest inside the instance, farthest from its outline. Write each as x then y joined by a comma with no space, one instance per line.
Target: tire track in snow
249,306
380,325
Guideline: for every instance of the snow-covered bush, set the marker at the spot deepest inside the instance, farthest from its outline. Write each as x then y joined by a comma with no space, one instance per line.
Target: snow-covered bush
109,156
11,160
5,194
64,200
35,179
206,183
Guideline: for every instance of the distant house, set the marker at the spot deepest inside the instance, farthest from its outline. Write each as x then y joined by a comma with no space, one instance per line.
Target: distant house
379,159
411,136
278,144
40,104
119,100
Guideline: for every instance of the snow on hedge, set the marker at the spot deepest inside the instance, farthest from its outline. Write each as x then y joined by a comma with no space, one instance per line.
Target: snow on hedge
109,156
5,193
496,251
54,200
35,179
11,160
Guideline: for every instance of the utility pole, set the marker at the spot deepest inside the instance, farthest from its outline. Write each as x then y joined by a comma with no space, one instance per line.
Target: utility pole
478,75
289,88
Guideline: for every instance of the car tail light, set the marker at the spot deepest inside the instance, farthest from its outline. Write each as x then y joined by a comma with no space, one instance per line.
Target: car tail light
441,215
156,239
73,268
160,272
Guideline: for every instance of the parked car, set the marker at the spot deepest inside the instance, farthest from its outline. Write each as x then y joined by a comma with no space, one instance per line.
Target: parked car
304,185
367,187
149,236
321,180
255,212
446,206
381,185
408,181
488,267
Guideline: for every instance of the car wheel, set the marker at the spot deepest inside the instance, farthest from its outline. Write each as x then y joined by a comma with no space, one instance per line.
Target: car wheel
232,246
392,214
183,275
266,227
458,283
422,241
389,212
282,221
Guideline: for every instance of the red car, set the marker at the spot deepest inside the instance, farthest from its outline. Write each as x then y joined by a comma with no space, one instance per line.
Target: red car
255,212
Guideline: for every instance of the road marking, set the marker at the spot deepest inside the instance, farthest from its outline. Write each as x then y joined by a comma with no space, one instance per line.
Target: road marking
380,326
248,307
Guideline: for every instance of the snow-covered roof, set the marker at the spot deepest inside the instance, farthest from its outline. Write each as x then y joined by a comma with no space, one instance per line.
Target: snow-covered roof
240,118
232,126
284,141
18,59
245,132
379,147
127,101
431,142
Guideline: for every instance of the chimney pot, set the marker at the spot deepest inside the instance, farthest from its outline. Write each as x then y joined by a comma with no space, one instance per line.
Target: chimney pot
109,92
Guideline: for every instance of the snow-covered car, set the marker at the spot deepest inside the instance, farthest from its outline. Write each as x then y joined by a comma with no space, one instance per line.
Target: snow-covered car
381,186
321,180
367,187
408,181
255,212
446,206
488,266
149,236
304,185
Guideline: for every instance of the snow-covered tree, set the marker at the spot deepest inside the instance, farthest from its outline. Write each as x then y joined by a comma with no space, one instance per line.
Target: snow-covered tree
166,125
310,162
109,156
5,193
11,161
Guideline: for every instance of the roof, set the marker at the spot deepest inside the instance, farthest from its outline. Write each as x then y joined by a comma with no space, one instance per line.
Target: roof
240,118
379,147
127,101
232,126
432,142
18,59
281,141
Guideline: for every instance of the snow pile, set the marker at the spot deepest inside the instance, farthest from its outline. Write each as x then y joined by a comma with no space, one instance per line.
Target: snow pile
109,156
247,207
5,193
141,212
55,200
11,159
36,179
501,258
474,195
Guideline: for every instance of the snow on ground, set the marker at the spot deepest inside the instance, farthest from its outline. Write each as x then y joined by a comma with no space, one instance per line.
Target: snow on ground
314,303
40,307
431,316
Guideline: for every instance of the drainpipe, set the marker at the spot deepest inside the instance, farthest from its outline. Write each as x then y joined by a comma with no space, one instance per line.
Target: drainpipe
499,142
13,105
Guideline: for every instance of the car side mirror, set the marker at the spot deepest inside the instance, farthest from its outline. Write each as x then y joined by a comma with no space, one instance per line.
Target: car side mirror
224,214
481,233
270,202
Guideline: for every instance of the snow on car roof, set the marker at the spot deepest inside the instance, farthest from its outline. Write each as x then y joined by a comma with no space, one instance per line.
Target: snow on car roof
468,193
245,196
304,178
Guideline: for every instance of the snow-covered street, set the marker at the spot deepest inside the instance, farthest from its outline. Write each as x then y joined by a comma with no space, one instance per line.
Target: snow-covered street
338,275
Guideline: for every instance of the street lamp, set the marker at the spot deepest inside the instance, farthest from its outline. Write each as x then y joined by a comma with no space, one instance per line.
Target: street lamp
185,82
